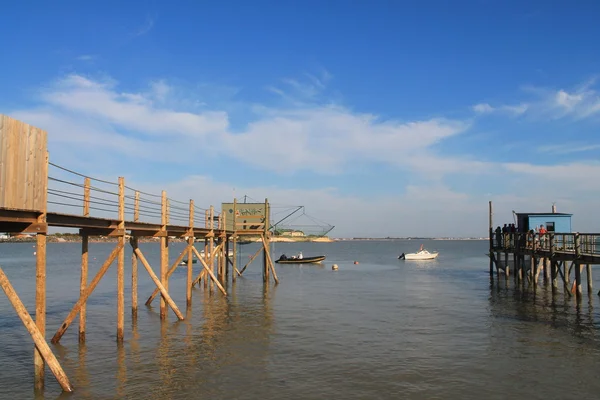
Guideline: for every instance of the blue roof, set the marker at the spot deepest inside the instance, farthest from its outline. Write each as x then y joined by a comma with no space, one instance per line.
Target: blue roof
545,214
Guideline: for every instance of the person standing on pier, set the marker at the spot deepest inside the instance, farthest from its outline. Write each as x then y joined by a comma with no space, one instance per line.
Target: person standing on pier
499,237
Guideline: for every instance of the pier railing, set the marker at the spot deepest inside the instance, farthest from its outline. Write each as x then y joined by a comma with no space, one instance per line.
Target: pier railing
566,243
73,193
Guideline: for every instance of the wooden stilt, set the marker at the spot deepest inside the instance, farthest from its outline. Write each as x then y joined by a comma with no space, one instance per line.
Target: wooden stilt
190,270
38,337
84,259
163,291
210,272
40,312
266,270
134,260
578,265
250,261
121,265
164,256
588,270
83,283
235,249
269,260
88,291
170,271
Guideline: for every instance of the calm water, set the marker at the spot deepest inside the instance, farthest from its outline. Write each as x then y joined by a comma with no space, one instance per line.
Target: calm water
382,329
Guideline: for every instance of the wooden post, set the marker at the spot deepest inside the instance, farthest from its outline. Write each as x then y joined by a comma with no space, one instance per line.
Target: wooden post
577,265
491,242
207,226
211,244
86,197
88,291
83,283
40,310
134,260
163,291
553,265
172,269
188,292
588,270
40,279
266,247
121,264
84,259
234,224
38,337
164,255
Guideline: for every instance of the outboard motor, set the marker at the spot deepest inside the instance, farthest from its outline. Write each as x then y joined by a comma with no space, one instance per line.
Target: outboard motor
401,256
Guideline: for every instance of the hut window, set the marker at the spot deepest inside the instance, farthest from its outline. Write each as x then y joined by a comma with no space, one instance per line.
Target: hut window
550,226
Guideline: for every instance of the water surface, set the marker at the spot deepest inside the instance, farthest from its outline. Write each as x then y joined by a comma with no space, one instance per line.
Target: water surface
380,329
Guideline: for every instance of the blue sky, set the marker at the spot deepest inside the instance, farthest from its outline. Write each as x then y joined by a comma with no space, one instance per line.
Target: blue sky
381,117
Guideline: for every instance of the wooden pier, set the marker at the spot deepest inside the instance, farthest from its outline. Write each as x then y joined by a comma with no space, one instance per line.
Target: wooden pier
29,183
559,256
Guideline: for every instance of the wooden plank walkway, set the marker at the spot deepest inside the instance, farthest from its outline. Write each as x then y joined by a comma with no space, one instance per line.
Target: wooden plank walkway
29,184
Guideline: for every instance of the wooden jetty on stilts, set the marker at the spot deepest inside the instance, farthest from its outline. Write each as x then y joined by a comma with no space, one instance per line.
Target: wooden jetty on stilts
560,256
24,191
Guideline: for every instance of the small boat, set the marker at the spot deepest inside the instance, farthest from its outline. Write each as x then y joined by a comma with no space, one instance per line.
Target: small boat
184,262
422,254
296,260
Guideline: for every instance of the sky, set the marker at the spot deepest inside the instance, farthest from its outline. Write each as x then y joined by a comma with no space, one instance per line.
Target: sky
383,118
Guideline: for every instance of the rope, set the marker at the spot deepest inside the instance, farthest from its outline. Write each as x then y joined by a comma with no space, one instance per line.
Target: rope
82,175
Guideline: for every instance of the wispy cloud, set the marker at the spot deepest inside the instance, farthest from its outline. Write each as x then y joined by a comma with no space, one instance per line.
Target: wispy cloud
568,148
87,57
485,108
320,137
146,27
579,102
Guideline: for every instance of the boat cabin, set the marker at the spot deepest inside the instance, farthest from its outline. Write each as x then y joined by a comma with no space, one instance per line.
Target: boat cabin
553,222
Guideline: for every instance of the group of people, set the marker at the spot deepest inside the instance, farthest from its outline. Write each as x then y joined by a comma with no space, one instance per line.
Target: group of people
503,239
299,256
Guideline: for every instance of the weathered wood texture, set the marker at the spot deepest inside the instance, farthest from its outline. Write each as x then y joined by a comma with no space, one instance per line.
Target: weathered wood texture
36,335
23,165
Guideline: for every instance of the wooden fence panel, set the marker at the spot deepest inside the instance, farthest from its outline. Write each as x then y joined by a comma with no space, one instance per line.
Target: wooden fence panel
23,165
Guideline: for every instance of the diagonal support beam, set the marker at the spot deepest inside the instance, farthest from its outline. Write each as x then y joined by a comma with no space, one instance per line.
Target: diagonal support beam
169,273
250,262
270,261
233,266
88,291
213,277
159,285
38,339
202,273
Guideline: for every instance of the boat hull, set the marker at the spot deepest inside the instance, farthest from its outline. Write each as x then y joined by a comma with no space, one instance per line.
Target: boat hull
305,260
421,255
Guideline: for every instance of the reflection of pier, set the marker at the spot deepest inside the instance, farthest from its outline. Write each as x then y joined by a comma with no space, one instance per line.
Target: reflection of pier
125,215
556,255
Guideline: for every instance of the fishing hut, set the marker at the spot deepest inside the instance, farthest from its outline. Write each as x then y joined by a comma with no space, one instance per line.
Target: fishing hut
29,183
555,251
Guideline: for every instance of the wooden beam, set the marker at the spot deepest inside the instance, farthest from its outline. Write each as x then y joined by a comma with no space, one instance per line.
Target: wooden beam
163,290
37,336
164,257
121,265
169,273
190,265
210,272
269,260
82,285
88,291
40,307
250,261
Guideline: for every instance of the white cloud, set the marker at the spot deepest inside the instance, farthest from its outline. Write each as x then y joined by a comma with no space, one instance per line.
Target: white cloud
146,27
95,126
485,108
321,138
87,57
568,148
579,102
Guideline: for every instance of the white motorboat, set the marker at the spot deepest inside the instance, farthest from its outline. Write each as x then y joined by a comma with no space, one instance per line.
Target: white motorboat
422,254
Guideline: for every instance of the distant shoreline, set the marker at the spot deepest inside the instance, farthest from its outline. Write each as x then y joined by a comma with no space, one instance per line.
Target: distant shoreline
53,238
